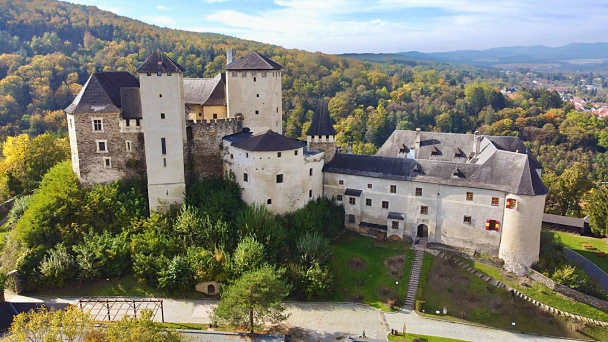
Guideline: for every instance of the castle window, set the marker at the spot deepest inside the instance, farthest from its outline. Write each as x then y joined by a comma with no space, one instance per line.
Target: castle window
263,73
160,95
395,224
368,202
310,193
327,137
149,73
310,172
424,210
469,196
128,122
339,198
107,163
246,155
231,156
278,154
257,112
269,201
254,79
159,73
467,220
492,225
215,116
164,162
235,74
98,125
102,145
511,203
341,182
168,73
295,153
495,201
137,122
128,143
280,178
384,204
352,200
393,189
418,191
277,109
162,115
244,74
200,114
369,186
257,95
163,146
351,218
245,177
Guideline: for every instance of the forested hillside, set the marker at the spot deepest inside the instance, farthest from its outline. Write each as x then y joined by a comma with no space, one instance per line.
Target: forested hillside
48,49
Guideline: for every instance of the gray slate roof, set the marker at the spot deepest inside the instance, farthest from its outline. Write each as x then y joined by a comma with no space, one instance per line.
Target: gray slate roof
158,61
353,192
253,61
267,141
393,215
321,121
108,92
205,91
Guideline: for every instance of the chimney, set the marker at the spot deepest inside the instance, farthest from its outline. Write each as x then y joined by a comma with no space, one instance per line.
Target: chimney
229,56
417,144
476,142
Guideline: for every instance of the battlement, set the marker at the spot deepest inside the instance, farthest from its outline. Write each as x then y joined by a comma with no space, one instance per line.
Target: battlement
212,123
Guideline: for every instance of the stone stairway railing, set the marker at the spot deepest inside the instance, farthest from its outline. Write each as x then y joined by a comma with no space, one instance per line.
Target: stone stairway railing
542,306
412,286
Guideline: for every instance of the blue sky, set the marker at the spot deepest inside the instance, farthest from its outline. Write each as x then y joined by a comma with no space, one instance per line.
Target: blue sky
341,26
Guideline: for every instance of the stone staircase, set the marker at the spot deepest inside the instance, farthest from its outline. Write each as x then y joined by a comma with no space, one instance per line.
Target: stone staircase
412,287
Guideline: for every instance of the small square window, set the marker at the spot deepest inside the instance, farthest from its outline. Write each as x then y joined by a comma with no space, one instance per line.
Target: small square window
107,163
257,95
511,203
257,112
168,73
384,204
245,177
352,200
269,201
467,220
393,189
160,95
418,191
278,154
368,202
395,224
280,178
469,196
310,193
149,73
341,182
339,198
369,186
215,116
310,171
159,73
235,74
351,218
424,209
102,146
162,115
495,201
295,153
98,125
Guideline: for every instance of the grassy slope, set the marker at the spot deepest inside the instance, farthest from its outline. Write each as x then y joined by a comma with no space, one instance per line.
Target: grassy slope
574,242
451,286
425,338
375,275
545,295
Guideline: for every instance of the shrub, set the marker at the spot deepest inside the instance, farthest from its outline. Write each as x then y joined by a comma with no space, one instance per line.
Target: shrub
419,304
218,197
19,207
57,267
262,224
147,267
176,275
313,247
209,266
321,215
248,256
102,255
28,266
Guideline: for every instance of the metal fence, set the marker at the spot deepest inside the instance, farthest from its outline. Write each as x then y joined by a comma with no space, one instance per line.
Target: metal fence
114,309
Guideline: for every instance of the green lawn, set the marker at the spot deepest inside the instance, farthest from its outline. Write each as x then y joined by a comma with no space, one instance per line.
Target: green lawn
425,338
361,274
545,295
575,243
470,299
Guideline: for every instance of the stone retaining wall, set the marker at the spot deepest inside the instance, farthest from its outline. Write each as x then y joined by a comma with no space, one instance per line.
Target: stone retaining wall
566,291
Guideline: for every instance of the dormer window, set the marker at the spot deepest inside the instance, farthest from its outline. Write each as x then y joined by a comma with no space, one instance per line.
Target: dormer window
435,151
149,74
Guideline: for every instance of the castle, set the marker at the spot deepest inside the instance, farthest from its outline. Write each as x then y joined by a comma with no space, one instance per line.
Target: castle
463,190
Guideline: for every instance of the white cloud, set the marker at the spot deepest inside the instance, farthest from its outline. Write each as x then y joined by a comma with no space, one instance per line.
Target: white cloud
161,20
162,8
214,1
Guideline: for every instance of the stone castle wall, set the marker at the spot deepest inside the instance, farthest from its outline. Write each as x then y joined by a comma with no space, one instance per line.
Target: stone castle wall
328,147
203,150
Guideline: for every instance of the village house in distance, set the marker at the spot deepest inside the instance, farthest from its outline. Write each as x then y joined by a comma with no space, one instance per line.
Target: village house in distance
463,190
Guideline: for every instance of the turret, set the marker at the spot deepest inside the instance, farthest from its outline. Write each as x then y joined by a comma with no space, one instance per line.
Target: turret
253,90
163,111
321,134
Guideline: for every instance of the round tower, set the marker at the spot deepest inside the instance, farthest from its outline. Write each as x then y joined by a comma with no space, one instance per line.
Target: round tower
520,237
321,134
253,90
164,125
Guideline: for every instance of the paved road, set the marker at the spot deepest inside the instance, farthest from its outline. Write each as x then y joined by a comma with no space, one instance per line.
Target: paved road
328,321
589,267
